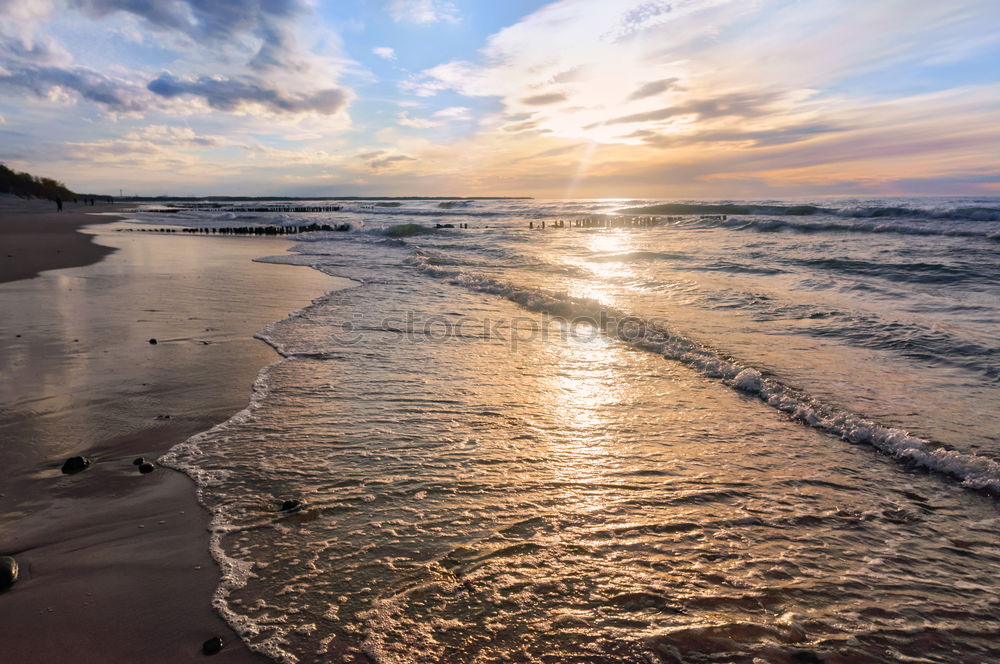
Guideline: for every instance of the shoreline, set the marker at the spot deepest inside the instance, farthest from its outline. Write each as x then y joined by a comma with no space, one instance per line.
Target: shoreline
115,565
36,238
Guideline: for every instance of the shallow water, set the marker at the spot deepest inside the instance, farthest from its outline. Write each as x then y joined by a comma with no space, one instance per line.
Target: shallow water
770,438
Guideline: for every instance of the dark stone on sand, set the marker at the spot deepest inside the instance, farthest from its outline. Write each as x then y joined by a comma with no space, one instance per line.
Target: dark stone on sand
146,467
152,342
291,505
8,571
212,646
139,461
75,464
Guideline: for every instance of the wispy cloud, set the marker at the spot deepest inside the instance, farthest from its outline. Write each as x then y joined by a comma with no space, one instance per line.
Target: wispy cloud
544,99
454,113
387,161
404,120
229,94
423,11
385,52
179,136
652,88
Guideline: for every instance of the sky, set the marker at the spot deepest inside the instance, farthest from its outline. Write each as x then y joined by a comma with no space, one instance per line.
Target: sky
681,99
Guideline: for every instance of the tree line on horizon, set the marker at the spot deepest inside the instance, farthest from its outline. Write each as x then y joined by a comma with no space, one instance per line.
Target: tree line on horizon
26,185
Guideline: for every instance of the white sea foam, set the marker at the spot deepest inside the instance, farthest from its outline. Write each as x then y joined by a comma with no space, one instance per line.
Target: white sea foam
235,572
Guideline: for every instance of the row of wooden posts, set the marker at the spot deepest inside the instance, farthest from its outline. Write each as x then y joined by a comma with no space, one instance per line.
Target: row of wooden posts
209,208
250,230
599,221
606,221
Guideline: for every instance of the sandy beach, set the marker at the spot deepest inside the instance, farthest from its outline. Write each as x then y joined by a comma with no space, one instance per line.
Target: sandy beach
36,237
114,564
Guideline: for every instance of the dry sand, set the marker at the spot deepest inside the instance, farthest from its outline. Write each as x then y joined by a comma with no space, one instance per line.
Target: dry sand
115,565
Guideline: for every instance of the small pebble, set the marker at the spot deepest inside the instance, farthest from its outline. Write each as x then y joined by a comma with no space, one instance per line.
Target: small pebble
8,571
75,464
152,342
212,646
146,467
139,461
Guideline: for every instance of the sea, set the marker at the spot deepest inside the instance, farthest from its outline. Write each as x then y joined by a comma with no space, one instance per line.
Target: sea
648,432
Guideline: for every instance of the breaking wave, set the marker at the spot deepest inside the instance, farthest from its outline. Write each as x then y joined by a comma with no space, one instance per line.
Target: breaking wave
973,213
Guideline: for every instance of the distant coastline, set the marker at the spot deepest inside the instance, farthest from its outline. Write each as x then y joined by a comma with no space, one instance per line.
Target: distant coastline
139,199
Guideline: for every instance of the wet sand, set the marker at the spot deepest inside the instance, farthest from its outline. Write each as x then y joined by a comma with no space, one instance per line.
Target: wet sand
35,237
114,564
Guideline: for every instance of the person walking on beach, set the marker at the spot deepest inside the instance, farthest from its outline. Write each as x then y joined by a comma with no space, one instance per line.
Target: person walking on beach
58,204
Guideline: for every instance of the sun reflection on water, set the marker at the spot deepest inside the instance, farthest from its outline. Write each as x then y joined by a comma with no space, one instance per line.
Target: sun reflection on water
598,285
584,397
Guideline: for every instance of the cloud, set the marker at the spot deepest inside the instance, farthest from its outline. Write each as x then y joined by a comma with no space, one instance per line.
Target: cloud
24,9
384,52
742,105
127,154
450,114
753,139
416,123
653,88
218,21
230,94
388,161
179,136
700,66
278,74
43,69
453,113
544,99
423,12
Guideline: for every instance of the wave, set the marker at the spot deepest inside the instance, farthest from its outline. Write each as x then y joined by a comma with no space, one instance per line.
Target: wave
235,573
725,208
829,226
509,260
403,230
927,344
916,272
972,213
640,256
971,470
185,456
424,212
